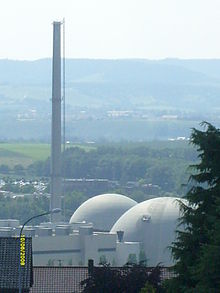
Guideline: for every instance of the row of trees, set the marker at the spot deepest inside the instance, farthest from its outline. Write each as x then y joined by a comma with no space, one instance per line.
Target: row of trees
22,208
166,167
18,169
131,279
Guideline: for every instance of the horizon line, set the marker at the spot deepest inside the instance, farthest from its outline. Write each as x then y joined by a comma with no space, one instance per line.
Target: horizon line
112,59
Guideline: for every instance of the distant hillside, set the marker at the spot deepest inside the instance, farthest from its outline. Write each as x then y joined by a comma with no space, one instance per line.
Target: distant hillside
169,82
189,89
127,70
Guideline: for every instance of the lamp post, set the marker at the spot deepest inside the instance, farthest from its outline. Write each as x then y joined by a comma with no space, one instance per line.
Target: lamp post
53,211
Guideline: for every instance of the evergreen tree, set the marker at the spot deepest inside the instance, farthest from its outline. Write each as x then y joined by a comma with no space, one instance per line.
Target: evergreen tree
130,279
196,250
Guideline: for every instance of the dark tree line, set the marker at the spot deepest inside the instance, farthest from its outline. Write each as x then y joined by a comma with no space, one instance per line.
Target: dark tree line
22,208
130,279
166,167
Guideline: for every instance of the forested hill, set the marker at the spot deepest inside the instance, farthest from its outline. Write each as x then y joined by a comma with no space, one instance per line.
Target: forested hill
169,82
133,100
118,70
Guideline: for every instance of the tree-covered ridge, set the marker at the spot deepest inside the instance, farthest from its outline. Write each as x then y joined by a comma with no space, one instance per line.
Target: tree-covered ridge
138,170
197,248
166,167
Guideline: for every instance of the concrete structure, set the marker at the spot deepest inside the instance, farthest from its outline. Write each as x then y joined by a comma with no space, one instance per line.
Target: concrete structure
103,210
72,244
80,246
56,180
145,227
9,223
153,224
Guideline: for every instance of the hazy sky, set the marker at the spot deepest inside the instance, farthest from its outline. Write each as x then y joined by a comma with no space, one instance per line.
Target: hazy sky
152,29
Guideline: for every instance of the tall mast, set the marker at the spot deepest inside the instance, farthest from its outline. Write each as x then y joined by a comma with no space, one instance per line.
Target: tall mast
64,117
56,178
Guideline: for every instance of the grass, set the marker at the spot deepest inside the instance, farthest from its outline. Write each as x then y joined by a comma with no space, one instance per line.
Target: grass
33,151
12,154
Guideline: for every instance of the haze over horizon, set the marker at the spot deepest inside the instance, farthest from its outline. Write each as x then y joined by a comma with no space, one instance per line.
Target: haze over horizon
113,29
130,63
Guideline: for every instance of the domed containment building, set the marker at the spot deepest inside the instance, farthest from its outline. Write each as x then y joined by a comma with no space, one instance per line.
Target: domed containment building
153,223
147,227
103,210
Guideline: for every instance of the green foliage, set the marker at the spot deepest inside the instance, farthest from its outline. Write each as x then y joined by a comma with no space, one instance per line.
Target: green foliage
25,154
197,248
103,260
70,262
16,188
114,263
116,280
12,154
166,167
23,208
4,168
35,151
142,257
132,258
50,262
19,169
148,289
160,163
72,201
144,164
39,168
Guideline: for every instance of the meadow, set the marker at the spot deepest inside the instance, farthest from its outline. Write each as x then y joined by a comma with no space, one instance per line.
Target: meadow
12,154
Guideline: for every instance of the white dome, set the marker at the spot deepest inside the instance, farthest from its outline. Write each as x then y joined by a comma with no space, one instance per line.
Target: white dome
152,222
103,210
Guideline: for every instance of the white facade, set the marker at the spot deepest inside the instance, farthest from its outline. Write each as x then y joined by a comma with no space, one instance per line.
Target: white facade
125,249
77,248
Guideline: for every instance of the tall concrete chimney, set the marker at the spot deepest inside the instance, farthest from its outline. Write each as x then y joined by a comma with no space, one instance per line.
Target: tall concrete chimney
56,179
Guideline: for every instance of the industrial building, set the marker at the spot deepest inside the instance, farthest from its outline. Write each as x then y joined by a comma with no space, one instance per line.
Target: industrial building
108,227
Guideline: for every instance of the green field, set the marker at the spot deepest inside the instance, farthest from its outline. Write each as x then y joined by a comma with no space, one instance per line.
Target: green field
12,154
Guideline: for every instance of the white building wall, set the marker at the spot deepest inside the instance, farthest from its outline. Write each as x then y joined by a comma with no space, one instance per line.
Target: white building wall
78,248
100,244
124,249
58,249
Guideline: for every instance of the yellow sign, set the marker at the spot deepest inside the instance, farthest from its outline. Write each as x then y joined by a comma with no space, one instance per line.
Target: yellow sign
22,250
